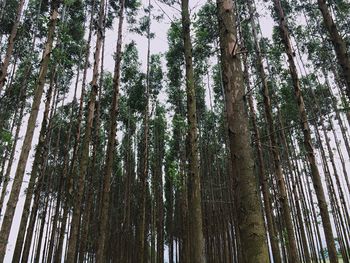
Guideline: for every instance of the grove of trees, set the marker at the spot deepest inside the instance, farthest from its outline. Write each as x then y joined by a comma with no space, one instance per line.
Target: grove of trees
233,145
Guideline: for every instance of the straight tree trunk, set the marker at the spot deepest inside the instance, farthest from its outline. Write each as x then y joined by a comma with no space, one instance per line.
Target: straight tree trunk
145,165
197,254
265,188
10,45
37,164
338,42
100,254
316,178
17,183
249,216
283,198
84,161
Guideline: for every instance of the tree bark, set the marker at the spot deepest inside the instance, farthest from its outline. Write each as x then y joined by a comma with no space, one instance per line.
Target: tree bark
84,161
105,204
17,183
197,254
316,178
10,45
338,43
249,216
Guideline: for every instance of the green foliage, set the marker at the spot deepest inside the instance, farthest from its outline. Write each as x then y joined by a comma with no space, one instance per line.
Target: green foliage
155,75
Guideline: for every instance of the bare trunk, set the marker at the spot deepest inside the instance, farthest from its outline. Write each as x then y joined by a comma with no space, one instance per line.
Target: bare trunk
74,233
316,178
338,43
17,183
105,204
11,42
250,222
197,254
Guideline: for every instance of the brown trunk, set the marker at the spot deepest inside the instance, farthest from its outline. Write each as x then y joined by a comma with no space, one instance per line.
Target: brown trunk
105,204
283,198
338,43
10,45
316,178
265,188
41,150
296,196
74,233
197,254
144,175
17,183
250,222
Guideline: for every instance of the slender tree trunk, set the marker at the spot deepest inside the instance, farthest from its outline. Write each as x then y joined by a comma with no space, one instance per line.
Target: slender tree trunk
37,164
265,188
338,43
252,239
286,212
74,232
316,178
197,254
17,183
100,256
145,165
10,45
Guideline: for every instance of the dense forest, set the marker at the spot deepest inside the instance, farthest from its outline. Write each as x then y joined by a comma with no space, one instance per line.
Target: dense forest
232,145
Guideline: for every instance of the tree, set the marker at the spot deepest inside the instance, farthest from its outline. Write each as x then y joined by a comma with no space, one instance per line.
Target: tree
249,218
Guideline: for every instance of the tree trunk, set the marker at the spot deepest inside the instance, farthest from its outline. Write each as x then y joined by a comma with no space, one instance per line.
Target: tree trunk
74,232
17,183
283,198
338,42
10,45
197,254
100,254
37,164
249,216
265,188
316,178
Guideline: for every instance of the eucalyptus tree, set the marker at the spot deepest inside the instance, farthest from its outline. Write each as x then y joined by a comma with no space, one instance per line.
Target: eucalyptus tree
316,178
340,45
16,187
252,240
175,186
286,211
66,54
196,238
111,140
83,165
10,45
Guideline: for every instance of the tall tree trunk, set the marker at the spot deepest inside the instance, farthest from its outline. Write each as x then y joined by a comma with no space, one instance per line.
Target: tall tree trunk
197,254
286,212
340,47
41,149
316,178
74,232
249,216
17,183
10,45
145,156
265,188
105,203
